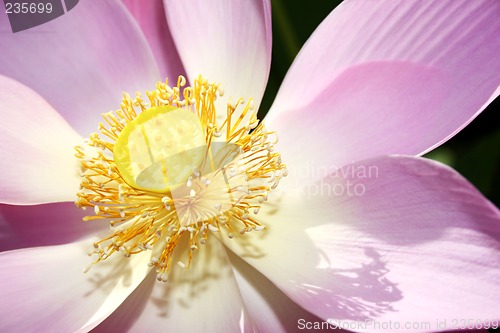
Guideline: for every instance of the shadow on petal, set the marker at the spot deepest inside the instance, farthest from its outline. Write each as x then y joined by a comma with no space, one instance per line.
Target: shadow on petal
201,298
340,288
270,309
359,293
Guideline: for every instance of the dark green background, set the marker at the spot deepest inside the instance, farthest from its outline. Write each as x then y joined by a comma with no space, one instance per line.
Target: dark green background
474,152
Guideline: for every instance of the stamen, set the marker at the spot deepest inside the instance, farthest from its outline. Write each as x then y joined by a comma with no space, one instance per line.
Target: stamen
158,172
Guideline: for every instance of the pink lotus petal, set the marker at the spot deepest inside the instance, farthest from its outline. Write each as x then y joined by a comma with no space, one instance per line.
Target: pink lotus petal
392,238
82,61
395,77
203,298
226,41
43,225
150,15
50,292
38,163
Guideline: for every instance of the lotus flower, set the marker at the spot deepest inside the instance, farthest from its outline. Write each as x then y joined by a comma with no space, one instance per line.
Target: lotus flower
361,233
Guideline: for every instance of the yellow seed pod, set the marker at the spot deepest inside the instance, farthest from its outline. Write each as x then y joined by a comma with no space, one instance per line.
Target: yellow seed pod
160,148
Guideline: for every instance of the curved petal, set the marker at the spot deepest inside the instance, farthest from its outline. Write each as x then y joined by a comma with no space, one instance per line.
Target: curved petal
226,41
38,163
150,15
44,289
82,61
44,225
269,308
395,77
396,239
201,298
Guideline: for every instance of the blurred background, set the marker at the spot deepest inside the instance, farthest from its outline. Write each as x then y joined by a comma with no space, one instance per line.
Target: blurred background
474,152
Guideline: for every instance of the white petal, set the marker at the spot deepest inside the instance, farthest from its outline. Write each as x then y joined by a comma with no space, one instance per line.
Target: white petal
38,163
45,289
201,298
226,41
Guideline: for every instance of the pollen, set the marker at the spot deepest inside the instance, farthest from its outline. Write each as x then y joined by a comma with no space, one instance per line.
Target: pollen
171,170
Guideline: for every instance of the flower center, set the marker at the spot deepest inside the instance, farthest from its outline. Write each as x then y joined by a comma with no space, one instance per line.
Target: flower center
166,169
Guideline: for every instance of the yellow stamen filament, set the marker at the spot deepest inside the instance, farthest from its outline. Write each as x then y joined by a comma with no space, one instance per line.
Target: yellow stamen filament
239,154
